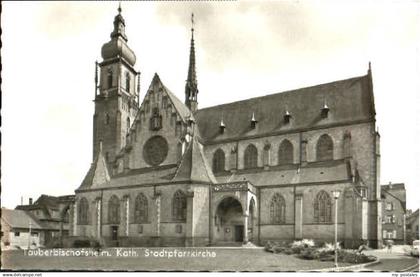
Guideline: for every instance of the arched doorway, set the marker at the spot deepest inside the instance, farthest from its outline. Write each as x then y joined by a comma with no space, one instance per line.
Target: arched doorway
229,221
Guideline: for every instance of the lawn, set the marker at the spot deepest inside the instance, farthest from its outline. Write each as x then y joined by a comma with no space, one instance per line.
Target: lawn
225,259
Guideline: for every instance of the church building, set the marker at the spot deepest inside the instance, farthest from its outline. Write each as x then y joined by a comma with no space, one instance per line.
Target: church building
167,173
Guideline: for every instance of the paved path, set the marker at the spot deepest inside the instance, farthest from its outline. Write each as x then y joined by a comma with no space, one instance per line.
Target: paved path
396,260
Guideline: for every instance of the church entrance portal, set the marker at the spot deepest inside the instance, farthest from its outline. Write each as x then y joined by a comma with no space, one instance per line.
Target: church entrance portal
239,233
229,221
114,232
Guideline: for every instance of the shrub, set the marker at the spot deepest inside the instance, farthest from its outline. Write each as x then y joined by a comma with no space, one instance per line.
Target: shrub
279,249
327,249
298,245
309,254
305,243
288,251
81,243
326,258
353,257
268,246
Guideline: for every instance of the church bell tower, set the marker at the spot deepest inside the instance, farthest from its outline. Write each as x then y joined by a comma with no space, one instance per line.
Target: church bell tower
116,93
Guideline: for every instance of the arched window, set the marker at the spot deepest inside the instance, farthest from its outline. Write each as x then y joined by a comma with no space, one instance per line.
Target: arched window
277,209
285,152
141,209
324,148
251,157
114,210
347,144
322,207
127,82
219,161
106,119
179,206
128,125
266,154
83,211
109,78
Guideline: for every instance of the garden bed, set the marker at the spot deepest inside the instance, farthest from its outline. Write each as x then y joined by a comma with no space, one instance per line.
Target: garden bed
307,250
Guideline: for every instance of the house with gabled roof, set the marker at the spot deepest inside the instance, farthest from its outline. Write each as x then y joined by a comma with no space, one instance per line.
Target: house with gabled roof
394,212
21,230
52,212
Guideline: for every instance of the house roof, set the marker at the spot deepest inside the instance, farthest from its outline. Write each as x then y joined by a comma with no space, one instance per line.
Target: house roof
20,219
349,100
413,215
393,187
396,191
47,202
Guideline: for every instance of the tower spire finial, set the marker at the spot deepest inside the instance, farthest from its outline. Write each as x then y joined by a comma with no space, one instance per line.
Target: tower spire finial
192,25
119,7
191,89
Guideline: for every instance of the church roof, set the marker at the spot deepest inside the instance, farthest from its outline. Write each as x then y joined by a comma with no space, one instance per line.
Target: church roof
194,166
183,110
318,172
98,172
349,100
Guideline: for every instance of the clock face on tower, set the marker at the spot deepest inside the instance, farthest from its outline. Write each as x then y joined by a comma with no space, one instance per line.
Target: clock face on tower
155,150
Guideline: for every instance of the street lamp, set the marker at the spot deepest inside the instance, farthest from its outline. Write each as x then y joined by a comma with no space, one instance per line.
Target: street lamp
29,237
336,195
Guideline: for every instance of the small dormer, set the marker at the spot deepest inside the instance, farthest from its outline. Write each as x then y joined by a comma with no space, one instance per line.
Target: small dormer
325,110
253,121
286,117
222,126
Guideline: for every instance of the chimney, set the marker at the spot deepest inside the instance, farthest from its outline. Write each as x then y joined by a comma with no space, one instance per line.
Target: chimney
30,201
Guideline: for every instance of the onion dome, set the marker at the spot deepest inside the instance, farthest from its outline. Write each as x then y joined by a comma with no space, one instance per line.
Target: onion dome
117,46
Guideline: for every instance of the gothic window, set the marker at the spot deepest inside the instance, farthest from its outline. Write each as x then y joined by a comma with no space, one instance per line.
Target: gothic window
106,119
277,209
179,206
347,144
128,125
164,102
127,82
266,154
83,211
141,209
109,78
324,148
179,152
155,120
251,157
147,106
114,210
285,152
322,207
219,161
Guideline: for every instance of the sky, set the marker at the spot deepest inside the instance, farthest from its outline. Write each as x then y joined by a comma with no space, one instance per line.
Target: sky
243,49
